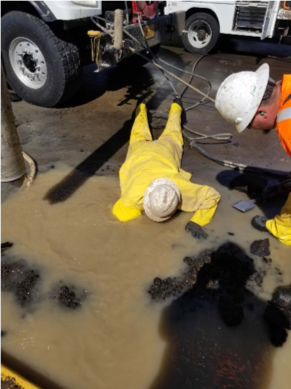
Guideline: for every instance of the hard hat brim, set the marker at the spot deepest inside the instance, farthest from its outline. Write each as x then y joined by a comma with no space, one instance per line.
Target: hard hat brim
262,73
154,217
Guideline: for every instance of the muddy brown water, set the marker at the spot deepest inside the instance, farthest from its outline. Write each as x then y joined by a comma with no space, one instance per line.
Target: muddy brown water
118,336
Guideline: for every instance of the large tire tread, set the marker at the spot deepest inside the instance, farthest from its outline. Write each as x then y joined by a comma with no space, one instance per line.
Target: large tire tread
66,52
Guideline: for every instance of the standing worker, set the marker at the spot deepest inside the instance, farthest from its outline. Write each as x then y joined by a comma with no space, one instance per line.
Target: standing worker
152,180
253,100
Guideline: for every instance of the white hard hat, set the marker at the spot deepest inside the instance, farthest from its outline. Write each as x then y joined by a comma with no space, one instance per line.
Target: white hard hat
161,199
240,95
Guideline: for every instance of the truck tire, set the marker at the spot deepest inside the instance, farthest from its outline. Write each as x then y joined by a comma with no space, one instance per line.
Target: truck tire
203,33
41,67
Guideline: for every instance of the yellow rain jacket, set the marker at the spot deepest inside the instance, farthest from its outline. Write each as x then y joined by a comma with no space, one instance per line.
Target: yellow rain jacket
148,160
280,226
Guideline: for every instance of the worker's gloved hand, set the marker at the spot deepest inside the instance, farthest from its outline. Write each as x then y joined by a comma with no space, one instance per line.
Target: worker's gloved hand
196,230
178,101
259,222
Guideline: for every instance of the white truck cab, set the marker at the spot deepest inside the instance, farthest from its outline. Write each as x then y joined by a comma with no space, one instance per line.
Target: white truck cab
68,9
206,20
73,10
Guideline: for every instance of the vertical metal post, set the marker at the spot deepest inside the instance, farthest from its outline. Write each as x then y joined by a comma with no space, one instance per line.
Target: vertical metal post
12,162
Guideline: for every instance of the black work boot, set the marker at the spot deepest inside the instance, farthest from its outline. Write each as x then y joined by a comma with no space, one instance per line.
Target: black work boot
178,101
259,222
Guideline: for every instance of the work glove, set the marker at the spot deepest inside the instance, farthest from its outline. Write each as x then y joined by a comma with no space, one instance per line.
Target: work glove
259,223
196,230
178,101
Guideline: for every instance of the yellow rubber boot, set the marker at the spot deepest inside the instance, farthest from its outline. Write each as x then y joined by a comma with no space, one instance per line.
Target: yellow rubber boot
280,226
140,131
173,127
172,134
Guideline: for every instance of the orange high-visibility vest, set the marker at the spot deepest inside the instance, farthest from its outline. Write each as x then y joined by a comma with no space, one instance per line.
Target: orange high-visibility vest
284,115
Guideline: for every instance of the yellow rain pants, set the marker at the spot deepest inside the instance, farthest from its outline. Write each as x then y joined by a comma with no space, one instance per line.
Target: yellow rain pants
280,226
148,160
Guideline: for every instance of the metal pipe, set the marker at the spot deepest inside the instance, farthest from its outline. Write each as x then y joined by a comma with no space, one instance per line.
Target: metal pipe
118,29
12,162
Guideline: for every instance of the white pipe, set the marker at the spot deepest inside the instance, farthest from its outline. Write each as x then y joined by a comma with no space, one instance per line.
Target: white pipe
12,162
118,29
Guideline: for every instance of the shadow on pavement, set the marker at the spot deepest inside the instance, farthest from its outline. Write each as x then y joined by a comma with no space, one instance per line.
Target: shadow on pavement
253,185
94,85
215,333
81,173
136,78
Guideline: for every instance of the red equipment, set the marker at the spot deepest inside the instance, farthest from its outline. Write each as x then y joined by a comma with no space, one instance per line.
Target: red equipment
144,10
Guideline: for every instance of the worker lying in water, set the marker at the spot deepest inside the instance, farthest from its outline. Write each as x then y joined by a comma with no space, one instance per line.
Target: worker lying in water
152,180
254,100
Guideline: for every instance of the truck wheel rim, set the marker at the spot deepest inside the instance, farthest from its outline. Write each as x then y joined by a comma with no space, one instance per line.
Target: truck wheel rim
28,62
199,34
